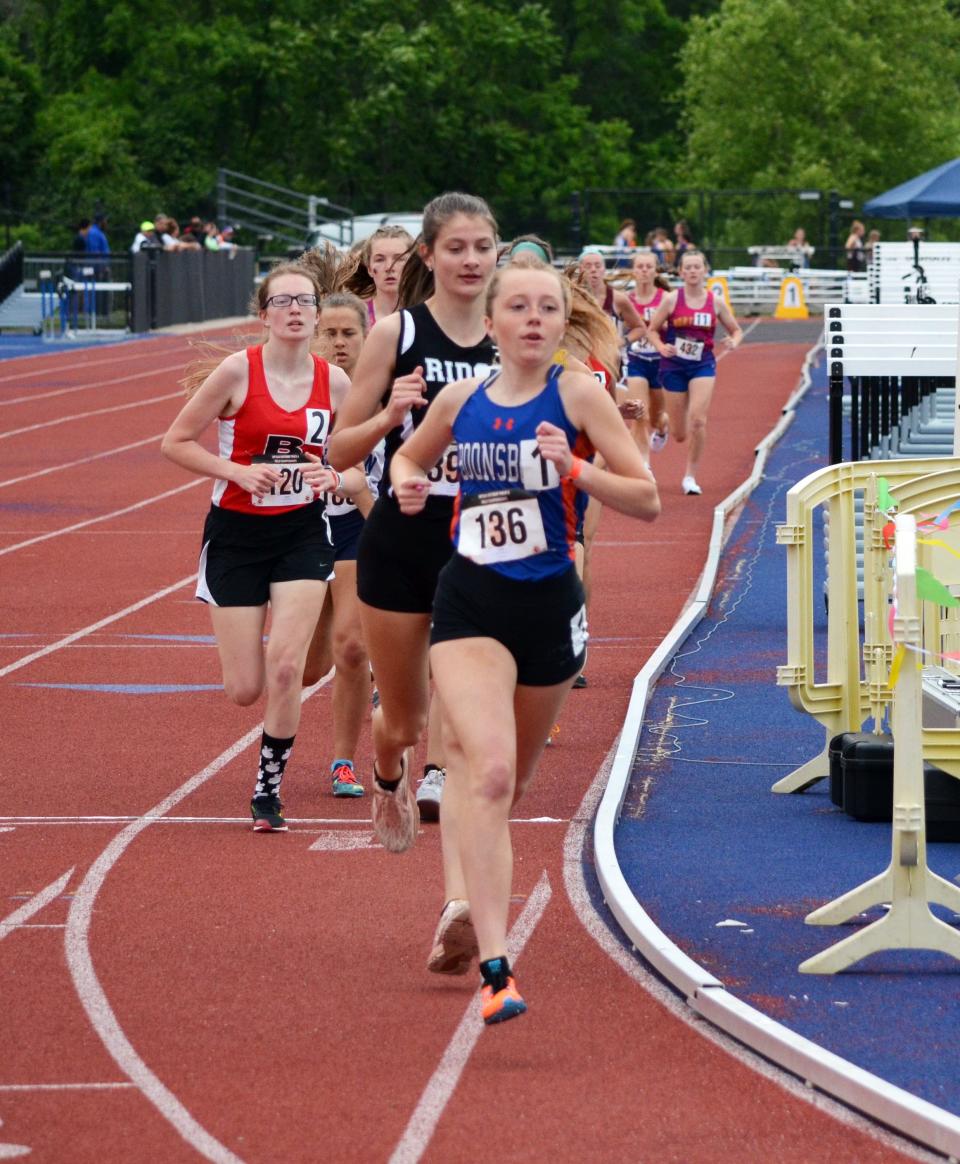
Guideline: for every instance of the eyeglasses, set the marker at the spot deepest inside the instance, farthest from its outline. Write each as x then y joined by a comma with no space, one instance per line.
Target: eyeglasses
286,300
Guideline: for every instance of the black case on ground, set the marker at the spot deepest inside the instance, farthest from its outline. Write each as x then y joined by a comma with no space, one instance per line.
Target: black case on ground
846,741
866,773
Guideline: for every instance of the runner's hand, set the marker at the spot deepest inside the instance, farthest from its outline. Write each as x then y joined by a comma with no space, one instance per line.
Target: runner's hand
412,495
554,446
407,392
258,480
320,477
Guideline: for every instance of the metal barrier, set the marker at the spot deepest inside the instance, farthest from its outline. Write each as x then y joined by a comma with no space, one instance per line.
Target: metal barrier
171,287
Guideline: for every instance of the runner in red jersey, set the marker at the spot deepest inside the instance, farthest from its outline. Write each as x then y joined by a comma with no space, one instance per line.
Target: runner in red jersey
266,540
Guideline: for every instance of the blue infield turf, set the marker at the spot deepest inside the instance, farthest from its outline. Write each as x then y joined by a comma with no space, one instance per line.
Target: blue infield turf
15,344
703,840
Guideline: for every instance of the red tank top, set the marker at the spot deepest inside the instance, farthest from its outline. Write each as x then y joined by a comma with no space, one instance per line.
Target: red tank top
262,431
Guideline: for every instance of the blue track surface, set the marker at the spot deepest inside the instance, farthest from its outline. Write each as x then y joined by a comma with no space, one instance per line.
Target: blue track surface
703,840
16,344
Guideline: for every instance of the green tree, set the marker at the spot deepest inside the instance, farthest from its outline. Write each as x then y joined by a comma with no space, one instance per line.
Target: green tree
855,95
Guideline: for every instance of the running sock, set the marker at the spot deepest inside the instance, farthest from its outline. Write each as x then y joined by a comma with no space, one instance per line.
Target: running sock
495,972
388,785
428,768
340,764
274,754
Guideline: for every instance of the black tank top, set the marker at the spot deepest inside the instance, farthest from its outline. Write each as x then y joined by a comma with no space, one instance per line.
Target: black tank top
422,343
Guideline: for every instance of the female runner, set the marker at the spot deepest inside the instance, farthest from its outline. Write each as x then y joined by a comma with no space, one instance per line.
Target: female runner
509,630
408,358
375,276
266,540
616,303
643,359
688,367
338,638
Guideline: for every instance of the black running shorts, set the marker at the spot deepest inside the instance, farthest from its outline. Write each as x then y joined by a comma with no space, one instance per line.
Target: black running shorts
400,558
542,624
242,554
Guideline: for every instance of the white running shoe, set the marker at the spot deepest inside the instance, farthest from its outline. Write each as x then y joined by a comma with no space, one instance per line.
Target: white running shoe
455,942
690,486
394,814
430,793
658,439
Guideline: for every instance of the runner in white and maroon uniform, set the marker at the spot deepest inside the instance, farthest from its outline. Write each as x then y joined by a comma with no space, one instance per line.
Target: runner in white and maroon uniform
266,538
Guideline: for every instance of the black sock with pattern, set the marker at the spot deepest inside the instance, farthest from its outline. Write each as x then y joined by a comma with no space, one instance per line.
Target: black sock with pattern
274,754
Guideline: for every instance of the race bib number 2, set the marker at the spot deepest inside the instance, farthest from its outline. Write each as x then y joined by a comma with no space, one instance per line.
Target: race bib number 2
501,527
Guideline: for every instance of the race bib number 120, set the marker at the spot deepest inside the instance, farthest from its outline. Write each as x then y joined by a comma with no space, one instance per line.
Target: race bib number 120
291,489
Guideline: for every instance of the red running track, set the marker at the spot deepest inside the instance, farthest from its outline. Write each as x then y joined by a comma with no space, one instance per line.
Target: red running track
177,988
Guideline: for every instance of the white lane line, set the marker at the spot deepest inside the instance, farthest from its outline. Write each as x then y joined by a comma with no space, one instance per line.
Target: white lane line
29,399
12,432
81,461
80,960
16,919
413,1143
78,365
64,1086
56,533
95,626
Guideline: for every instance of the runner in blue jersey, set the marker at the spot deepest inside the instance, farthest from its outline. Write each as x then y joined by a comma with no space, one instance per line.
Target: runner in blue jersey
509,632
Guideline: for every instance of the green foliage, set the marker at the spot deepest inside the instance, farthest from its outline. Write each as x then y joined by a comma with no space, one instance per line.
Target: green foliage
375,105
852,95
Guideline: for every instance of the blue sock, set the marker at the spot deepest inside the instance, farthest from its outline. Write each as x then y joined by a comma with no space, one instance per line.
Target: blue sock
340,763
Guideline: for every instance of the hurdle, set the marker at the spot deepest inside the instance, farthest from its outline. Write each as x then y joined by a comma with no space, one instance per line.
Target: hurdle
907,884
854,683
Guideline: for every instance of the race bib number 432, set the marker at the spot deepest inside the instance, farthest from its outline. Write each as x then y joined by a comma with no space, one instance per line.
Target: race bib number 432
501,527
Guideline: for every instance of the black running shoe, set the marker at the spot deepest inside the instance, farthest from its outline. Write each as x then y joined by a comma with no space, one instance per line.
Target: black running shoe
267,813
580,681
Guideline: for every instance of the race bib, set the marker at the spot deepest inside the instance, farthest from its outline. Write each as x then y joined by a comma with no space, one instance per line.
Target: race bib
688,349
339,506
290,490
444,477
643,347
501,527
536,472
318,426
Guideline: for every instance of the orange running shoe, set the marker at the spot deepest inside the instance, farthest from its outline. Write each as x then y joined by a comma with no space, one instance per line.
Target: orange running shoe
505,1004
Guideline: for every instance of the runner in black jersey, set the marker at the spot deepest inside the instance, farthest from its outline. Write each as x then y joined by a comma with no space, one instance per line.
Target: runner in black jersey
407,359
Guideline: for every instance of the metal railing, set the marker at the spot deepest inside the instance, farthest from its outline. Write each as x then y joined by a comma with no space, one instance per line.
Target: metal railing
277,212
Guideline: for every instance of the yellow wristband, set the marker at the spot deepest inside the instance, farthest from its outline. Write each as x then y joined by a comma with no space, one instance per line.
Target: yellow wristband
576,468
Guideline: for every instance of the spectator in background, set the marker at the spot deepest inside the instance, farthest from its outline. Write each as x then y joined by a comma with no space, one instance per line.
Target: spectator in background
662,246
193,232
146,238
99,248
625,240
856,252
97,243
797,244
872,239
79,244
211,239
681,232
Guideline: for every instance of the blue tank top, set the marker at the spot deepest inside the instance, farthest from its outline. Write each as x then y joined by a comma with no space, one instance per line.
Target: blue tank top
513,513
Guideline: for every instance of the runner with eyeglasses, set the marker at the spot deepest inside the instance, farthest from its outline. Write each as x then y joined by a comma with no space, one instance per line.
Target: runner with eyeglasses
266,540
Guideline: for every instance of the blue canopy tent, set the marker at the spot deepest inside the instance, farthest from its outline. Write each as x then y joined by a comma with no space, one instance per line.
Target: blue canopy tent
935,194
